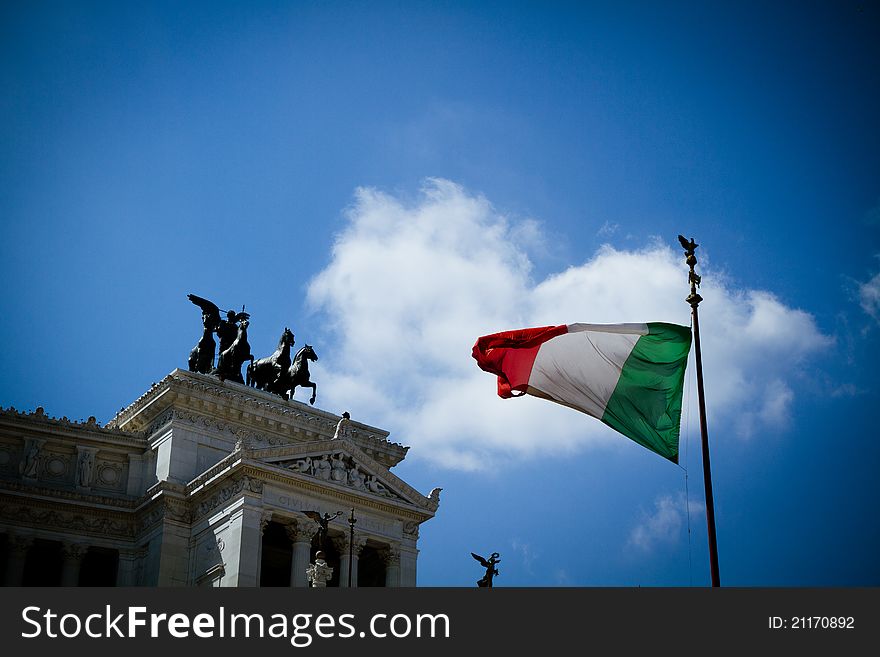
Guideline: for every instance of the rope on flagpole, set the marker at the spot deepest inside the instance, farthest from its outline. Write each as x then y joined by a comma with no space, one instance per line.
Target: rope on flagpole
684,468
687,496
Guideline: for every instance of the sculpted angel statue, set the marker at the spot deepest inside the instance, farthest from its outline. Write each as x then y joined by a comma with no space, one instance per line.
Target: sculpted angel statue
323,523
489,565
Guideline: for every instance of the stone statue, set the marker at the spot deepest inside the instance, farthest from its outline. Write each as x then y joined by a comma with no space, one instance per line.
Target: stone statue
356,478
376,486
28,465
343,427
321,467
489,565
267,373
201,358
319,573
303,465
338,469
84,469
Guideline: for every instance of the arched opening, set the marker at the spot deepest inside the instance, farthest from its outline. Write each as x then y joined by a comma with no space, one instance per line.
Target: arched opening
371,567
99,567
277,556
42,566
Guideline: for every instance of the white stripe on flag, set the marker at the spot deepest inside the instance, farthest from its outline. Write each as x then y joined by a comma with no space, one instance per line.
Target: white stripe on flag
582,368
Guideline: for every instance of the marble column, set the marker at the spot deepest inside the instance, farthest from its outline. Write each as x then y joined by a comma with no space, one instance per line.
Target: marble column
301,533
348,557
391,557
18,549
265,519
72,556
127,568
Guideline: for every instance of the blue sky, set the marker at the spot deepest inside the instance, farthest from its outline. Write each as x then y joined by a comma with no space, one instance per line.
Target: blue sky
392,180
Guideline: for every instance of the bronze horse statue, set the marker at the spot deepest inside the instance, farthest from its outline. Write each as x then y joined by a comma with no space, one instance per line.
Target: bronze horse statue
230,361
298,374
265,373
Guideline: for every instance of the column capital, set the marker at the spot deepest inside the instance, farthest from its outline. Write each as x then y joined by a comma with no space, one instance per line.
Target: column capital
73,551
265,519
390,555
341,543
19,543
302,530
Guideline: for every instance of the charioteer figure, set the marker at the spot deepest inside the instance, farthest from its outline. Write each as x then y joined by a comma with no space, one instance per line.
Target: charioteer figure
232,333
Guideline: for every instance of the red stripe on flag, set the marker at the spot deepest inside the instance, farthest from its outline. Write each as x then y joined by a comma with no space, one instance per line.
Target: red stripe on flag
510,355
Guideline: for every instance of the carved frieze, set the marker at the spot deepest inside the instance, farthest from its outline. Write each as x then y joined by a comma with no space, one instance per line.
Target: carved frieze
67,520
229,492
339,468
166,508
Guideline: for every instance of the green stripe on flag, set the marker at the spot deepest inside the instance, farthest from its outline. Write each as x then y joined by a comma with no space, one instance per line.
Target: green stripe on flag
646,403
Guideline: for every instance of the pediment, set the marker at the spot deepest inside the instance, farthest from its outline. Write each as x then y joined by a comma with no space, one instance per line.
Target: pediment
340,463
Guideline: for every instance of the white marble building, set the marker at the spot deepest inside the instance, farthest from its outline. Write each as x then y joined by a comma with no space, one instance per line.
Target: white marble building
203,483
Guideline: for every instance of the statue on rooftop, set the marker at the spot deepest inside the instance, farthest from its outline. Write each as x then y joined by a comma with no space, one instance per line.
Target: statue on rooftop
267,373
201,358
343,427
231,359
298,374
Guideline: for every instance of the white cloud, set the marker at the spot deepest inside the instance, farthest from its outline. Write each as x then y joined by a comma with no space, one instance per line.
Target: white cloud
526,554
608,229
562,578
869,297
663,527
410,286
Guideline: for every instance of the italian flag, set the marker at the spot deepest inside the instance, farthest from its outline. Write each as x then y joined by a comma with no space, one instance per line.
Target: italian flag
630,376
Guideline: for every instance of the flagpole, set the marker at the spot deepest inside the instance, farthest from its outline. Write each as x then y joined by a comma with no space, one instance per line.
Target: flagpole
694,300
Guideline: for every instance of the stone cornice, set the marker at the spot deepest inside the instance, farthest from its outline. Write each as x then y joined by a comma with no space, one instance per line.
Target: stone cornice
89,431
55,495
250,409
